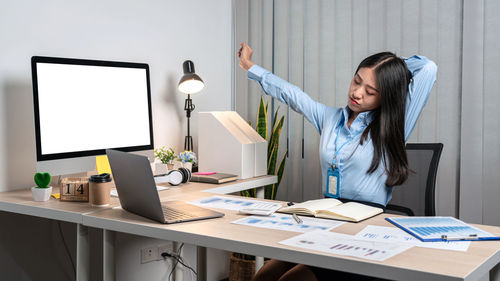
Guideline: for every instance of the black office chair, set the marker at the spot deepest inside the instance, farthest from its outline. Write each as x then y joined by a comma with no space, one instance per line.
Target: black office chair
417,195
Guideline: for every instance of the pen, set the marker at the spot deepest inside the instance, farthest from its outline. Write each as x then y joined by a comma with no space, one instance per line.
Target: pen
470,237
297,219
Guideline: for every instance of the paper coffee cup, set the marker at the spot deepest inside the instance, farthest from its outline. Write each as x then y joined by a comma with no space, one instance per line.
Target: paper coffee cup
99,189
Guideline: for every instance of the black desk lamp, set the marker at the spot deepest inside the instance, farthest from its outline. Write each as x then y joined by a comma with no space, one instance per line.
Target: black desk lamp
190,83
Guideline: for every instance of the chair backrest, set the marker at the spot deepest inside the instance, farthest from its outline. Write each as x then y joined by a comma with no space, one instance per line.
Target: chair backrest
418,192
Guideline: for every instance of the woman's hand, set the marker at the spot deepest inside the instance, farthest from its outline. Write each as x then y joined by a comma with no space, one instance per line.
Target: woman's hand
245,55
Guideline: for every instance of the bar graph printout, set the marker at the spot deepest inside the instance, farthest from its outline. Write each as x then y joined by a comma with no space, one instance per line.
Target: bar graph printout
430,229
396,235
286,222
347,245
234,203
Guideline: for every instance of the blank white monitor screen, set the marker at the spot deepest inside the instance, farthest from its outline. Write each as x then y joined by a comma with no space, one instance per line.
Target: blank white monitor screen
83,107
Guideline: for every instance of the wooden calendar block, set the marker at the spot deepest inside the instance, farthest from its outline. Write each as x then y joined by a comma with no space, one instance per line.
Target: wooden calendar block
75,189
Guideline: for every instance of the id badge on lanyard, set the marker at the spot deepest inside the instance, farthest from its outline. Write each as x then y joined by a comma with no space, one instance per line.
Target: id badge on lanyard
333,182
333,173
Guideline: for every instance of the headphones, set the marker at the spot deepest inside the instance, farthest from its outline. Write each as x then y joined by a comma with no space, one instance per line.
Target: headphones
175,177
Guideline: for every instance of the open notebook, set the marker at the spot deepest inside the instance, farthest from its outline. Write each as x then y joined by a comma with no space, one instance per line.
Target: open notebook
330,208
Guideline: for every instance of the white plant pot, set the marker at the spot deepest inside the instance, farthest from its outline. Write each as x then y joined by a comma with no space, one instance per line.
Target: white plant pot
41,194
187,165
161,169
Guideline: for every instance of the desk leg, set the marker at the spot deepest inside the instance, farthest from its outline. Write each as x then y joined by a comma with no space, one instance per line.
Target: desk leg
259,261
495,273
82,253
260,192
201,263
108,248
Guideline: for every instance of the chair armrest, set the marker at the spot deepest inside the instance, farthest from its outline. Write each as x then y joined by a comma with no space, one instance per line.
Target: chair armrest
400,209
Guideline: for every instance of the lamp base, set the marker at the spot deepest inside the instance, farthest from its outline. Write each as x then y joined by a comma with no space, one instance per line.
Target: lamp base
188,143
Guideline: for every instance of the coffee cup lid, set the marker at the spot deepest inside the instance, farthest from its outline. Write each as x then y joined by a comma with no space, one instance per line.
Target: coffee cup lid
104,177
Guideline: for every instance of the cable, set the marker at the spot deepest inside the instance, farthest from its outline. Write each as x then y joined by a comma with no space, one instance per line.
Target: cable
66,247
174,264
180,249
177,259
185,265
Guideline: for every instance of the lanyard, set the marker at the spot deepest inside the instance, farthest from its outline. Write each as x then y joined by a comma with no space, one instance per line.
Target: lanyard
336,144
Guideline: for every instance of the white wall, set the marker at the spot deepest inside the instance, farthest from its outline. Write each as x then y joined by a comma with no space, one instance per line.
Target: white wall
162,33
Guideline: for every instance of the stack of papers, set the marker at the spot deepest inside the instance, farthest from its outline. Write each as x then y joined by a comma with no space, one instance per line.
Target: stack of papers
235,204
396,235
287,223
430,229
347,245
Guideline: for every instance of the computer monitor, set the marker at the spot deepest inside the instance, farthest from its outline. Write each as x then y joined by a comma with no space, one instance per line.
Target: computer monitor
83,107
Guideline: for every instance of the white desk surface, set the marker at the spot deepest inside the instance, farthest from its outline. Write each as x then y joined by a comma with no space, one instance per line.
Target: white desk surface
224,188
414,264
21,201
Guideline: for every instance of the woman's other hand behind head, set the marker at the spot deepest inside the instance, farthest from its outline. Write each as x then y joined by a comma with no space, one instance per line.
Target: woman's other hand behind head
245,56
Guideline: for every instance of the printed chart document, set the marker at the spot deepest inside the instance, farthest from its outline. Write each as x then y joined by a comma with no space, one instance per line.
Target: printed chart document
331,208
347,245
396,235
235,204
286,222
433,229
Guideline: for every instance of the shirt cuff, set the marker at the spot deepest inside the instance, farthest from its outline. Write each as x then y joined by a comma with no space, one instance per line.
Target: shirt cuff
256,72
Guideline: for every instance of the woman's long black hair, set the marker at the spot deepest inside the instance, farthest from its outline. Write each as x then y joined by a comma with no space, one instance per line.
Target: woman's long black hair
387,130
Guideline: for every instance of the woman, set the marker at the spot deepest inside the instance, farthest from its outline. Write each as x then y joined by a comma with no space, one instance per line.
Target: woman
362,146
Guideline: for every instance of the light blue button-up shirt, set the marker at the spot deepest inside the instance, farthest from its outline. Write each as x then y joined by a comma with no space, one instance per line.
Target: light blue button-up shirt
353,160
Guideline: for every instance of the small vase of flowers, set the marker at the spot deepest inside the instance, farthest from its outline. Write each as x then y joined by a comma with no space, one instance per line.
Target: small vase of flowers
188,159
166,156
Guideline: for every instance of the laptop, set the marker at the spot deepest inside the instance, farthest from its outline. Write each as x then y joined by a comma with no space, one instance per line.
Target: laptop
137,191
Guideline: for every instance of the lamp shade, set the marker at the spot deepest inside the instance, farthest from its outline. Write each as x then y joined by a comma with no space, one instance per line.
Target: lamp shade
190,83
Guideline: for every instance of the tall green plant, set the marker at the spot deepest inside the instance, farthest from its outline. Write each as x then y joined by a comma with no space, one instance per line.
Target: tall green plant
273,142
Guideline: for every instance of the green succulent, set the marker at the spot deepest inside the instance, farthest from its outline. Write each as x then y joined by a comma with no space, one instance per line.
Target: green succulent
42,180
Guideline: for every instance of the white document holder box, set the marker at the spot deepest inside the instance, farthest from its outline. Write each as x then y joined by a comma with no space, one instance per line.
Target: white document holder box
227,144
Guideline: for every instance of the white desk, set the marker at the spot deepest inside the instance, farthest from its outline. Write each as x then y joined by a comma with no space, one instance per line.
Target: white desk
21,202
415,264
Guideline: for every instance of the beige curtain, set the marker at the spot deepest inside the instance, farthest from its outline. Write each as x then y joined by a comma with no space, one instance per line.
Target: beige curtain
317,44
480,137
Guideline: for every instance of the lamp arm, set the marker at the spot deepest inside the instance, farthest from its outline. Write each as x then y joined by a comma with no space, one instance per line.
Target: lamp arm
189,106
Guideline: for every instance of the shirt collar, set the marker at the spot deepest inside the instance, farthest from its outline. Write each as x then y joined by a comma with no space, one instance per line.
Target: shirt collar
360,123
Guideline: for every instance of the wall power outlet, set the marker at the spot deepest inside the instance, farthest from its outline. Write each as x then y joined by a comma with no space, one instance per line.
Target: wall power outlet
153,253
165,248
149,254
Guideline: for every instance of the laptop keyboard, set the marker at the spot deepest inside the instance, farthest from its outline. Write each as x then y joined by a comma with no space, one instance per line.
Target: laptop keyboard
172,214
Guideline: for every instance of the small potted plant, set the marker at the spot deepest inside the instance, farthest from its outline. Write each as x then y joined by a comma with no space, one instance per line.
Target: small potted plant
42,190
188,159
166,156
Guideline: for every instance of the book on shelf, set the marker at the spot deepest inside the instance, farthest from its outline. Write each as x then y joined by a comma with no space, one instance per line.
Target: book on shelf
213,178
331,208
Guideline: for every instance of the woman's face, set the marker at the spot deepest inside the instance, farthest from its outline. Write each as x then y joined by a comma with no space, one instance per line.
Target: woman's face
363,92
